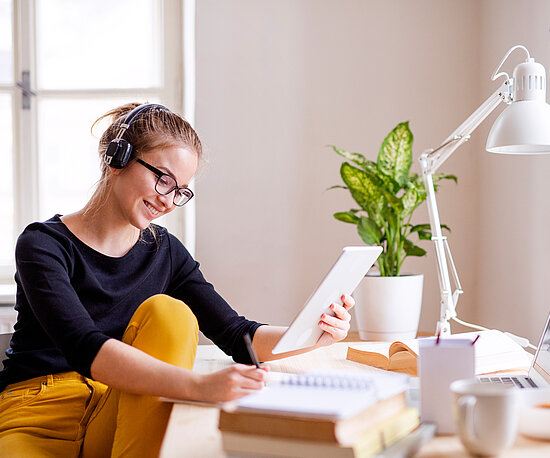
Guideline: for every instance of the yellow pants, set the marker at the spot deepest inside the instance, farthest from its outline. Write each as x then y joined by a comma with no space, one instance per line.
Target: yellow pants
68,415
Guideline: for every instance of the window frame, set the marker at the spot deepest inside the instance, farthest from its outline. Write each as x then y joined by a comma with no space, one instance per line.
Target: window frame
176,27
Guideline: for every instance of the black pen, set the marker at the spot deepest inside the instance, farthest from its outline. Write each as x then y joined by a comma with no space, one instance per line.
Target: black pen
251,352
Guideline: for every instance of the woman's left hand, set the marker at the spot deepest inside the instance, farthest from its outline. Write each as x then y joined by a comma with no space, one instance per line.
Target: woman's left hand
336,327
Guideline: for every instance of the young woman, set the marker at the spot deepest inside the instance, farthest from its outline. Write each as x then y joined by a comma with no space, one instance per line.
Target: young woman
109,307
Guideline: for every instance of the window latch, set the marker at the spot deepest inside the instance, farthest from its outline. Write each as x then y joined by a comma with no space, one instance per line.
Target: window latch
25,86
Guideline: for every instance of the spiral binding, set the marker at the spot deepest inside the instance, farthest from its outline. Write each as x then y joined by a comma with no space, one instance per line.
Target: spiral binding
321,381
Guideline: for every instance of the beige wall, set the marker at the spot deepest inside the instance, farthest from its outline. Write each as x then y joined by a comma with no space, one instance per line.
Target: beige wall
277,81
514,206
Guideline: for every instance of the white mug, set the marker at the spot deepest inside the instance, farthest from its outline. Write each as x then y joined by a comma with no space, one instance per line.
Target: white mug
486,415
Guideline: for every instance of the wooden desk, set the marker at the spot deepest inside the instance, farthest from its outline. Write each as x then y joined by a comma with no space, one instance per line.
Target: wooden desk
192,431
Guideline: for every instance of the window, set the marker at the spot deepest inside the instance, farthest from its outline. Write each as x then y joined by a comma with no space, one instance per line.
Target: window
62,65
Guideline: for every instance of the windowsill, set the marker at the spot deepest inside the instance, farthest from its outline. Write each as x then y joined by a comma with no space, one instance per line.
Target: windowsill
7,294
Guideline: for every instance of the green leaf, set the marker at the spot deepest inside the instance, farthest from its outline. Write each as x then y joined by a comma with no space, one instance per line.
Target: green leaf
419,227
365,188
409,200
395,202
395,155
417,182
337,187
369,231
346,217
413,250
424,235
444,176
392,232
356,158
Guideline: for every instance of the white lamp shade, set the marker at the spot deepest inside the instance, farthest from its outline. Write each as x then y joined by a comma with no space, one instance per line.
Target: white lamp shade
522,128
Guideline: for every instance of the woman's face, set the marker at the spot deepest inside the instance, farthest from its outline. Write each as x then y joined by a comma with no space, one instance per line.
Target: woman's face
134,186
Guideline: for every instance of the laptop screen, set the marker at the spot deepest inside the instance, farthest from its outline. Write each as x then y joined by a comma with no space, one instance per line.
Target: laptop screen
542,357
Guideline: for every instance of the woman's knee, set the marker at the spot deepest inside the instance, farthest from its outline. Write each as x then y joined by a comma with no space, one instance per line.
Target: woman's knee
169,313
166,329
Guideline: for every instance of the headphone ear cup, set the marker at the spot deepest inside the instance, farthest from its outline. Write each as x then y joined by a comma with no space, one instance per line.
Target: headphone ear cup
118,153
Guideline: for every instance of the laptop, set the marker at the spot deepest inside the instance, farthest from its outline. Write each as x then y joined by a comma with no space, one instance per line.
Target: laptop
539,372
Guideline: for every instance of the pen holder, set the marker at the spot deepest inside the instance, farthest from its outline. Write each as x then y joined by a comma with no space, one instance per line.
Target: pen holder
442,361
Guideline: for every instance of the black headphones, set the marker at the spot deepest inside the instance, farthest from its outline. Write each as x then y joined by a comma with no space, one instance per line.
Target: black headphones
119,151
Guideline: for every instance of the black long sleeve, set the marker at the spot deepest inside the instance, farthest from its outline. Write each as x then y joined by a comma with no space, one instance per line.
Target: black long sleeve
71,299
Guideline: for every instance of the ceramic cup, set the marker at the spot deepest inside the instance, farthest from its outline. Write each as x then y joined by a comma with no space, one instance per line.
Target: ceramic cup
486,415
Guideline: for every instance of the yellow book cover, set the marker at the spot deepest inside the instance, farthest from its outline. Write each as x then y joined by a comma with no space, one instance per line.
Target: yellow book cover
372,441
341,431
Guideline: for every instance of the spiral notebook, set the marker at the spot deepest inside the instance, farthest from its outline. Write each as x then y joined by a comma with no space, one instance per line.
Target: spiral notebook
334,394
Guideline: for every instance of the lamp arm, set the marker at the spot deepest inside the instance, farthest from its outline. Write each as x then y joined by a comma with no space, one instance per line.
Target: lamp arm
436,157
430,161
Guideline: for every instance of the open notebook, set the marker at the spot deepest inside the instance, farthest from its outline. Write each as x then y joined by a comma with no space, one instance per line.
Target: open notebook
334,394
329,394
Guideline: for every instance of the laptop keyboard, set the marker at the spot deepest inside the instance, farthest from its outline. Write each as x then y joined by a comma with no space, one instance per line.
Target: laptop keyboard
512,381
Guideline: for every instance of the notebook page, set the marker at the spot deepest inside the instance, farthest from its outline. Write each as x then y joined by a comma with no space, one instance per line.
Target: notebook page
326,396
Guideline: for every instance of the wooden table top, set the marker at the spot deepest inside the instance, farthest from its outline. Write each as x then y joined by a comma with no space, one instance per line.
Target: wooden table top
192,430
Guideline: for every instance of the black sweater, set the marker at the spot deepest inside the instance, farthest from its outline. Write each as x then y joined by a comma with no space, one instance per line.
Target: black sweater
71,299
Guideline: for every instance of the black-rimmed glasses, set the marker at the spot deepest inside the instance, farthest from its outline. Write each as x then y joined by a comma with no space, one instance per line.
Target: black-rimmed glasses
166,184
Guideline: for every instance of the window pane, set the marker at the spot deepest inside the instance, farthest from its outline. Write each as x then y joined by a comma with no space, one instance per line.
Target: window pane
6,183
69,165
6,42
98,44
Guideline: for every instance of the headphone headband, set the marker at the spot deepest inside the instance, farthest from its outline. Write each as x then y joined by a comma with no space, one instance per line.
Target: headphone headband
119,152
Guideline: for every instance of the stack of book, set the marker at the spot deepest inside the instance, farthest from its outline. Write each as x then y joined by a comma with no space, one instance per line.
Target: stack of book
313,415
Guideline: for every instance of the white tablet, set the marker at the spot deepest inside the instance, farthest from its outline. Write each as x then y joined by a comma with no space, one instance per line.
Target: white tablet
346,273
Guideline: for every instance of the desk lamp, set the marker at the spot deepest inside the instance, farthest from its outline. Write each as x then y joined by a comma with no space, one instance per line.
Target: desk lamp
522,128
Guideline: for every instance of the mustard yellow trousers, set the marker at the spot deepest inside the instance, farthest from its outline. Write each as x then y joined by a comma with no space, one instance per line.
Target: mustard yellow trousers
68,415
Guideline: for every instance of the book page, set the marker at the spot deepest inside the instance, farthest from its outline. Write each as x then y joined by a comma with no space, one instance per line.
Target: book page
410,346
405,362
495,351
381,348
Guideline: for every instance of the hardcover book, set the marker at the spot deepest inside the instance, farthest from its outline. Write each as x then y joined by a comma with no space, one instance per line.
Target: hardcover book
373,440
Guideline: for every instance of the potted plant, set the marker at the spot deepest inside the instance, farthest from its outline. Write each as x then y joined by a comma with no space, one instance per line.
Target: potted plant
387,194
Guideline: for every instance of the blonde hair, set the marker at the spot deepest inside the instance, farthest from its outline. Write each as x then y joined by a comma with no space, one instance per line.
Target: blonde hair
153,128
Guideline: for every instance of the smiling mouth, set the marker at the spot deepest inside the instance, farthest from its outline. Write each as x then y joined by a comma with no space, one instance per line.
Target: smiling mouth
152,209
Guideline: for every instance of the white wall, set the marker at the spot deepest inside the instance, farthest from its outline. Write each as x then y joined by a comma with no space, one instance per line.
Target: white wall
276,82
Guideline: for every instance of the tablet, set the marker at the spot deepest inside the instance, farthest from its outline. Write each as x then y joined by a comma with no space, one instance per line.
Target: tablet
344,276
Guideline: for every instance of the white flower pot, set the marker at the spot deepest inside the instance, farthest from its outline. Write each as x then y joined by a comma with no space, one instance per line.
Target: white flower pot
388,308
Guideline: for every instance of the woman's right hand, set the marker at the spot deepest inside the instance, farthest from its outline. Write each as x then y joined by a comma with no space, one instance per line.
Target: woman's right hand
231,383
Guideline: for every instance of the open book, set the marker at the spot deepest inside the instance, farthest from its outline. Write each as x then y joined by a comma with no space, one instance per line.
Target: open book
495,352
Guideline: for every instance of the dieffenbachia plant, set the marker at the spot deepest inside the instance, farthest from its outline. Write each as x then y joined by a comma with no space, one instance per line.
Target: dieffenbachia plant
387,195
